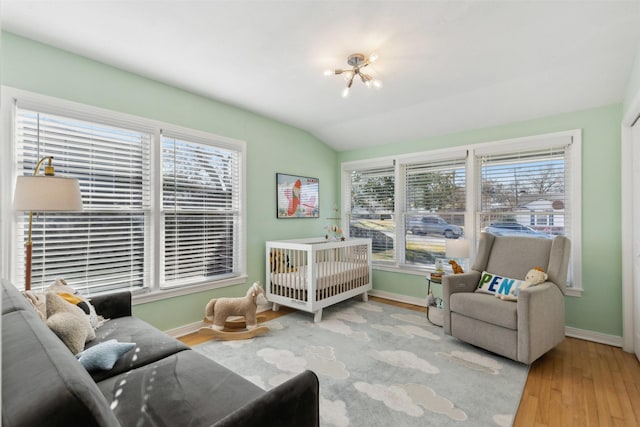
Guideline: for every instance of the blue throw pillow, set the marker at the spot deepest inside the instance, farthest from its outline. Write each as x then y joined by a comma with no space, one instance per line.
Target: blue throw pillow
104,355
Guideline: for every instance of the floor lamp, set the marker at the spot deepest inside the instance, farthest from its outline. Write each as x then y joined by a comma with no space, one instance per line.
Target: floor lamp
46,193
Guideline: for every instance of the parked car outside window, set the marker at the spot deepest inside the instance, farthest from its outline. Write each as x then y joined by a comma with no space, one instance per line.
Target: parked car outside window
514,229
433,224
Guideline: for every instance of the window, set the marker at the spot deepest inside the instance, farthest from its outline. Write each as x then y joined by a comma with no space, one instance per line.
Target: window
201,211
372,208
411,204
523,192
103,247
435,207
175,228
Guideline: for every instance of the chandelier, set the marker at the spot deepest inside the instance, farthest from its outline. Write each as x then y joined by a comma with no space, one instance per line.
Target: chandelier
358,62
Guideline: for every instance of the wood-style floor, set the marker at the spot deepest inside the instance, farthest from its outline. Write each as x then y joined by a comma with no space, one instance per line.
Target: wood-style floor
579,383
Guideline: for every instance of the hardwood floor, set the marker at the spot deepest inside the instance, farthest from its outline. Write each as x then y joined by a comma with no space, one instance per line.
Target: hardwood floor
579,383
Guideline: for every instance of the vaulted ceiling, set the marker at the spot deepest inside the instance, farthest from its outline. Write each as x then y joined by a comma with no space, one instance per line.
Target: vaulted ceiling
446,66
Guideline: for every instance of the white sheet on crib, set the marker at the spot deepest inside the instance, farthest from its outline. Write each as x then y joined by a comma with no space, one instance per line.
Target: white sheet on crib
329,274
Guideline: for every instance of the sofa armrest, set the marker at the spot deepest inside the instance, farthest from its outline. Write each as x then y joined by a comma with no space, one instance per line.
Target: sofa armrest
541,323
292,403
112,306
451,284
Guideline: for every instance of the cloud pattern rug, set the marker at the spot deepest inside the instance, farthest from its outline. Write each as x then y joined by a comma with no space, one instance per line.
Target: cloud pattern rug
380,365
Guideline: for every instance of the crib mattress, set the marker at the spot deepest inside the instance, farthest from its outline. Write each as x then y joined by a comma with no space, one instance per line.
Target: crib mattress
328,274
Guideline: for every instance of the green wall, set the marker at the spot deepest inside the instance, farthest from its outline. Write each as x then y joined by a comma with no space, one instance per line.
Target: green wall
271,147
599,308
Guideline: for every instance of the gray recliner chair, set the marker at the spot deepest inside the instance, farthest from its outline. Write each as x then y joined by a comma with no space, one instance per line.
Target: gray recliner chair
523,330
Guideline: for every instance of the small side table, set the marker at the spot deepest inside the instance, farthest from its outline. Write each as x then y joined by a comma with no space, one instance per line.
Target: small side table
434,312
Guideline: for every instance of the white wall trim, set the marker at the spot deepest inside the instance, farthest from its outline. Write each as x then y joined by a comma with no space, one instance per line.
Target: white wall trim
627,226
598,337
185,330
421,302
191,328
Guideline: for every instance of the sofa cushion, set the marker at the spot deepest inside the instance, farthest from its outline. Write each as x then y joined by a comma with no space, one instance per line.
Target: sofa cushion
151,344
485,307
40,376
12,299
185,389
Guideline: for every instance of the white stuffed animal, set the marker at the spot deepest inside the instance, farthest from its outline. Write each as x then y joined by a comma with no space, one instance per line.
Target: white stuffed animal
535,276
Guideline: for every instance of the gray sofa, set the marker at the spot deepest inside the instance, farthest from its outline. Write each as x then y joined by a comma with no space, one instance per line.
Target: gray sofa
522,330
160,383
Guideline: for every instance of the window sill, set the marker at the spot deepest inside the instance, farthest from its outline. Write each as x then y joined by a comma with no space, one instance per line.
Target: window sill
414,271
145,296
574,292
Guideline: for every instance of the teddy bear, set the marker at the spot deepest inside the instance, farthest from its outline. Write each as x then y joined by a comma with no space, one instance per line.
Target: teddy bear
457,269
535,276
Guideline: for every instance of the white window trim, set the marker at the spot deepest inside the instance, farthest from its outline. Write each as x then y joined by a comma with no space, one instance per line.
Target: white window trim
109,117
473,179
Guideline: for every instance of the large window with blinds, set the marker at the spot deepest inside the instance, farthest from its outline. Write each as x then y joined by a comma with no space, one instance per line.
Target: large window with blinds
525,192
372,208
143,228
411,205
103,247
435,207
200,210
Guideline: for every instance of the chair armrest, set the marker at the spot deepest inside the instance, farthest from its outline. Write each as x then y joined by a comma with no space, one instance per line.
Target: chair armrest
451,284
112,306
292,403
541,322
465,282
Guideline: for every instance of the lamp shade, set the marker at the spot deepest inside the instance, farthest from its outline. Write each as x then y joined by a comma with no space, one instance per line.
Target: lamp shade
47,194
457,248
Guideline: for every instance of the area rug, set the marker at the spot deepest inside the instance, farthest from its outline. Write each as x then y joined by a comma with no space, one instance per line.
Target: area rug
380,365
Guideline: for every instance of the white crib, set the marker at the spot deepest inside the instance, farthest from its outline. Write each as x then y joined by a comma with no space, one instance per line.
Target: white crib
310,274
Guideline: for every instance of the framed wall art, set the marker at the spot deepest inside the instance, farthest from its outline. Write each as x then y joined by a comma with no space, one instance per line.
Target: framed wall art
297,196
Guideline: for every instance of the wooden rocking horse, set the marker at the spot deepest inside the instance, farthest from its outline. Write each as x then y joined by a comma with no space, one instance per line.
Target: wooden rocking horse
219,309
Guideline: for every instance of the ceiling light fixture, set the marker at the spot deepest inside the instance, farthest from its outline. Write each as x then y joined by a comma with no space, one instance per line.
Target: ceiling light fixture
357,61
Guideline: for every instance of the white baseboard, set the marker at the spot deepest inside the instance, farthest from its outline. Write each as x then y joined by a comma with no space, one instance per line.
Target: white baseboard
598,337
185,330
420,302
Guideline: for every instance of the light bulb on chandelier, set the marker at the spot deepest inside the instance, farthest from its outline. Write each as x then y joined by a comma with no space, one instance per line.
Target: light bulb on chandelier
358,62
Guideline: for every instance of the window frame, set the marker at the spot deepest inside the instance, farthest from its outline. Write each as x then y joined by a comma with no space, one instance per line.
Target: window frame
47,104
473,183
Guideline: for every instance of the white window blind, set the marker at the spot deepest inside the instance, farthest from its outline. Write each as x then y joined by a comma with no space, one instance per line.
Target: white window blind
201,211
526,192
103,247
435,206
373,209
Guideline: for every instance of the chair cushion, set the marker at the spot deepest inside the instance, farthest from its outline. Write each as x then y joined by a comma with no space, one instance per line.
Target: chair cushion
485,307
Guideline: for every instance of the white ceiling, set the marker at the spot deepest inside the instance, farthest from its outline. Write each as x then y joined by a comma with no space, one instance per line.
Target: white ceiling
446,66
